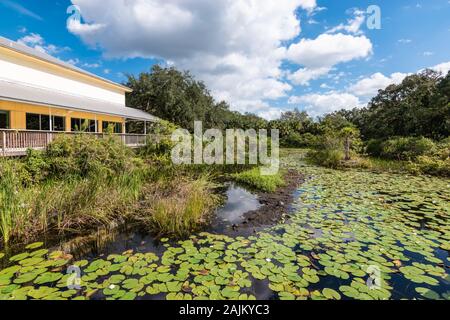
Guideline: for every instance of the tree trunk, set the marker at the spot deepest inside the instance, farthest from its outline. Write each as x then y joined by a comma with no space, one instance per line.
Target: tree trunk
347,149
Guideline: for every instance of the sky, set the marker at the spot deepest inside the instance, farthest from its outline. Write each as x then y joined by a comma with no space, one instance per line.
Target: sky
261,56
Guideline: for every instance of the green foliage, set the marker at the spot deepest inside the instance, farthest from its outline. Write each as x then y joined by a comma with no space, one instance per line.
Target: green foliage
159,143
406,148
82,155
254,178
10,205
177,97
329,151
297,140
419,106
78,183
179,207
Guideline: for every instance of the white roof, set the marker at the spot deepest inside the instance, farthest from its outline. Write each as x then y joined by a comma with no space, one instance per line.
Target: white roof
17,92
15,46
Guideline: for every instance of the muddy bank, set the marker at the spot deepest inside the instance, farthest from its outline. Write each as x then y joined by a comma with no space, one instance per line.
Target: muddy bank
275,206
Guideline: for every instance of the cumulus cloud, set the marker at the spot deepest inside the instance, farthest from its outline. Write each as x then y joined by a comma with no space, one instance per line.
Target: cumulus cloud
443,68
236,47
36,41
318,56
319,104
368,87
353,25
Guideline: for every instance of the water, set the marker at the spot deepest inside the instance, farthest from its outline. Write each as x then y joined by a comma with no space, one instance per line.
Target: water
238,201
339,219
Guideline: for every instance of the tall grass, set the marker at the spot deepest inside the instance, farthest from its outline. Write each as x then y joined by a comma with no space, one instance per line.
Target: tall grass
11,200
60,191
179,207
253,178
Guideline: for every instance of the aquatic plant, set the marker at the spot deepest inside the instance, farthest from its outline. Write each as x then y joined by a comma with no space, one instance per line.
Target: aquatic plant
347,228
255,179
179,207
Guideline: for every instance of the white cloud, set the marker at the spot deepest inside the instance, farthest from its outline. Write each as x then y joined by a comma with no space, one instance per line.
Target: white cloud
20,9
357,95
320,104
444,68
353,25
318,56
36,41
369,87
428,53
304,75
404,41
235,46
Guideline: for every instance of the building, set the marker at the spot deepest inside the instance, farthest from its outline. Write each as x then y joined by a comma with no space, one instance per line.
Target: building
41,96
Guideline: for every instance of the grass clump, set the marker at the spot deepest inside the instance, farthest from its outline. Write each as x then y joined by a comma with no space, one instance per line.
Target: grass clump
253,178
178,207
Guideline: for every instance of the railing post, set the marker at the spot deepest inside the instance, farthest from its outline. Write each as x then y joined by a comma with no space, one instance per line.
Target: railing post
4,143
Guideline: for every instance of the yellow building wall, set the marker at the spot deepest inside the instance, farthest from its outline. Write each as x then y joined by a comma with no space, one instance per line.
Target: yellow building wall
17,115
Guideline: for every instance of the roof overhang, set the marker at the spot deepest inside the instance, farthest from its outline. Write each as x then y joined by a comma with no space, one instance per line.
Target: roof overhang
15,92
44,57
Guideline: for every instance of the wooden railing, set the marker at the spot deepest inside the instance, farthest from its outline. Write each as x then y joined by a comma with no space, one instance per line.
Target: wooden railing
16,142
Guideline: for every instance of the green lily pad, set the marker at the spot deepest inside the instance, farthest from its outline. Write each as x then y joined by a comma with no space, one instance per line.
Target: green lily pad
331,294
34,245
48,277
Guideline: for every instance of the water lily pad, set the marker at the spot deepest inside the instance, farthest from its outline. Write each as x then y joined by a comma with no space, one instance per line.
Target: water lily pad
48,277
427,293
331,294
34,245
19,256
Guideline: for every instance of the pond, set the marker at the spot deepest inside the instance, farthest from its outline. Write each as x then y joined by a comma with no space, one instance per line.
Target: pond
352,235
238,200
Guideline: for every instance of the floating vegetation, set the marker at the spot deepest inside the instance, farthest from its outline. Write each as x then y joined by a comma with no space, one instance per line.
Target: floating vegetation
354,235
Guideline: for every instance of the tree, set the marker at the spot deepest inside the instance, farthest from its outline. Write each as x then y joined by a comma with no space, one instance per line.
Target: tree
348,134
416,107
177,97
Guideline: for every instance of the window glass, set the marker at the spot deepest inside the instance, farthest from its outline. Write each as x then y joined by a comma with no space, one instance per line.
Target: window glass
42,122
45,122
59,123
75,124
92,125
33,121
84,125
4,119
114,127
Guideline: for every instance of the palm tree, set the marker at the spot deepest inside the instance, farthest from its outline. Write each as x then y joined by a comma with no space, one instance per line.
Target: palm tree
348,133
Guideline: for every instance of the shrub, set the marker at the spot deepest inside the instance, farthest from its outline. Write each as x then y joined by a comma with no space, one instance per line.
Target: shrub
296,140
407,148
82,155
329,152
253,178
159,143
374,147
430,165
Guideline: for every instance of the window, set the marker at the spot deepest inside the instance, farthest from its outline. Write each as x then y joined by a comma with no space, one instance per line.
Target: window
4,119
59,123
114,127
42,122
84,125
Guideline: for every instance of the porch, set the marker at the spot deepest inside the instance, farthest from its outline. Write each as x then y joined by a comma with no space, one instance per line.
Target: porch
17,142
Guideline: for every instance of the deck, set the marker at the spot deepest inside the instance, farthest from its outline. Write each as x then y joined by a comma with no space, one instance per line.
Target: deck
17,142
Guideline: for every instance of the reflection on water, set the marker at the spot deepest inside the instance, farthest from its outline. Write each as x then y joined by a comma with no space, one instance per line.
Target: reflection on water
239,201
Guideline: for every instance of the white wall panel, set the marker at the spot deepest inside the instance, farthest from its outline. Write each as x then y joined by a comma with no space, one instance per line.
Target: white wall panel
15,72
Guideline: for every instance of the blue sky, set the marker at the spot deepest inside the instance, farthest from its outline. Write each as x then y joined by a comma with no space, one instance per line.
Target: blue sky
261,56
